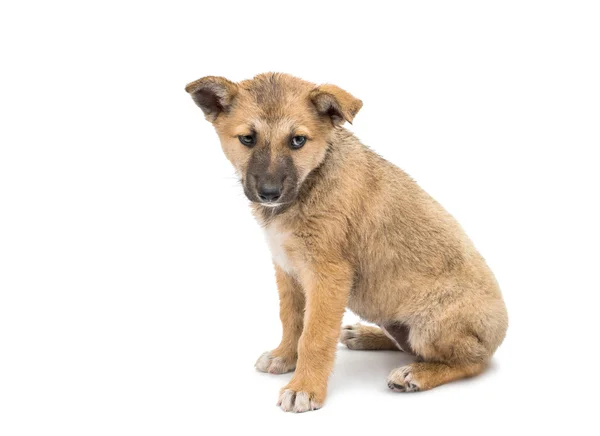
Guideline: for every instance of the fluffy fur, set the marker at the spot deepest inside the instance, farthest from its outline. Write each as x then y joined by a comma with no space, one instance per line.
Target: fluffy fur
352,230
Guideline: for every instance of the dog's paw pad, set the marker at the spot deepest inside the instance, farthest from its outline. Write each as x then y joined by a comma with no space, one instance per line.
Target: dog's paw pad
402,380
273,365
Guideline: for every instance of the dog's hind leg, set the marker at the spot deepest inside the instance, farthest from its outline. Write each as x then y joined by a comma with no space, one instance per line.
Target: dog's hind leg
364,337
445,357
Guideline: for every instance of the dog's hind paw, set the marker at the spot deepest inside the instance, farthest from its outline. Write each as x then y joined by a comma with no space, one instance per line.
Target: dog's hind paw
365,337
402,380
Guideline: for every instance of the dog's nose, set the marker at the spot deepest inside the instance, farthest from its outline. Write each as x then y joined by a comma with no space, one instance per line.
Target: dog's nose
269,192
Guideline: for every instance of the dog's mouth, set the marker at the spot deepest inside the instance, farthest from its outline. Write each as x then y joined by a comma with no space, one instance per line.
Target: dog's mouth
285,199
273,205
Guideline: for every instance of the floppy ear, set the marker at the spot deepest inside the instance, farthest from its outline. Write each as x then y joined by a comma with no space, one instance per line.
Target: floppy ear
213,94
335,103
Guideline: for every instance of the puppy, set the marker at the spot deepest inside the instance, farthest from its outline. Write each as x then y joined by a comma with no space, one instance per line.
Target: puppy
346,228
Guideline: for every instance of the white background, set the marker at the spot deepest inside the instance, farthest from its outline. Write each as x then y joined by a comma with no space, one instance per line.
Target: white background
136,289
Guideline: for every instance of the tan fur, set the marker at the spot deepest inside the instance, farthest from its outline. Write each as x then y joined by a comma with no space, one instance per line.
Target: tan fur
359,233
366,337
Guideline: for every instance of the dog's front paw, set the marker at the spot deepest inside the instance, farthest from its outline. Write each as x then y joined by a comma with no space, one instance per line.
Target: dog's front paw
298,401
268,362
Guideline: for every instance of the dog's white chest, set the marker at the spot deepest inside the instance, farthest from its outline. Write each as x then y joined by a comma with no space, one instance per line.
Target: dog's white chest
277,240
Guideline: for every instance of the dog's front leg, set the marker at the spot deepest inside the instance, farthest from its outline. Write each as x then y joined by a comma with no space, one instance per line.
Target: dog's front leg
326,288
291,311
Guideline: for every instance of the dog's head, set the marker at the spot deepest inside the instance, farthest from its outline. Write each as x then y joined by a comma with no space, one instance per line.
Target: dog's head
274,128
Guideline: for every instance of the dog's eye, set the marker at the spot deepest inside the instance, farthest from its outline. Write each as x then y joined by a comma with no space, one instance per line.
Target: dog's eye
247,140
298,142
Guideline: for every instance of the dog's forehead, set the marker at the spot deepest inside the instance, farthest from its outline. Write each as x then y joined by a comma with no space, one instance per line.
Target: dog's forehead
272,86
277,96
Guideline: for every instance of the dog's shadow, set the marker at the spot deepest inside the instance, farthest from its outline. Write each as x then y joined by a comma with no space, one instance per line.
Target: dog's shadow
354,369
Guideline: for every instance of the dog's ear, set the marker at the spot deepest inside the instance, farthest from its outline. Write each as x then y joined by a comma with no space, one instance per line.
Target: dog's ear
335,103
213,95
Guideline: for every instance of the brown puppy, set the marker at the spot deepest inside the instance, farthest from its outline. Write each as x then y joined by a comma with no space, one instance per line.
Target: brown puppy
348,229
